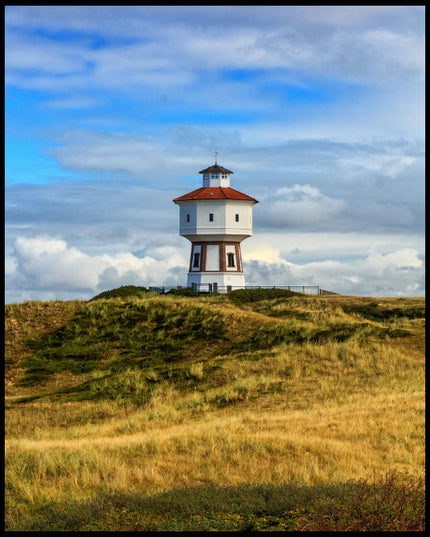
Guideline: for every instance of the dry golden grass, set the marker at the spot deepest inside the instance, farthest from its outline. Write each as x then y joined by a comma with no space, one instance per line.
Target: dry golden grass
303,413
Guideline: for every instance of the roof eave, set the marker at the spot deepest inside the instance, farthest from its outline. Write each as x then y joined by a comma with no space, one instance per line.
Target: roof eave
216,168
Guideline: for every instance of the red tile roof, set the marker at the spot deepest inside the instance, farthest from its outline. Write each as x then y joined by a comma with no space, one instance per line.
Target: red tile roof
215,193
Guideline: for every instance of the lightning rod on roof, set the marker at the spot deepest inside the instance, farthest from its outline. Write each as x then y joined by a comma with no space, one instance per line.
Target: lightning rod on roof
216,155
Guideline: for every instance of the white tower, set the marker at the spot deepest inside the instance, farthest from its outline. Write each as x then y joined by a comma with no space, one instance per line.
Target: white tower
215,218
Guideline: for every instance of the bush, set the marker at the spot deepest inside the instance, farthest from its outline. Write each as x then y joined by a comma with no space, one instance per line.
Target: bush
393,502
242,296
121,292
373,312
186,291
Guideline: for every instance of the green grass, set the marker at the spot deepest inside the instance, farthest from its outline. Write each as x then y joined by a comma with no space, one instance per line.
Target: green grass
114,335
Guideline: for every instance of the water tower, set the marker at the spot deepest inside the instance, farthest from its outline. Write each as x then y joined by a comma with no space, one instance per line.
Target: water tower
215,219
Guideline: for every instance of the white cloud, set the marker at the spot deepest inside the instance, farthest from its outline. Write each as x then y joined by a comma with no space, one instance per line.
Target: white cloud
144,156
37,54
390,164
404,50
396,274
52,265
168,46
260,251
49,267
302,206
405,258
305,247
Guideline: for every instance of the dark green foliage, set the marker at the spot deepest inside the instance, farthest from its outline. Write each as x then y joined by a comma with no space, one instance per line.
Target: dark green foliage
339,332
40,367
395,502
121,292
291,314
114,336
372,312
187,291
243,296
268,336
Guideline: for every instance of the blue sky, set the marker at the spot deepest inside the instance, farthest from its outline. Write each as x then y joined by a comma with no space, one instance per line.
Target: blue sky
111,111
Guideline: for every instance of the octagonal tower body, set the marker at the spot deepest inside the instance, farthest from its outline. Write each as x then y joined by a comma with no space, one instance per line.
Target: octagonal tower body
215,219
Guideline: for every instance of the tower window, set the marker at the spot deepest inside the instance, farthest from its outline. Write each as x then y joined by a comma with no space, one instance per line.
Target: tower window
196,262
230,258
215,176
188,217
211,217
237,218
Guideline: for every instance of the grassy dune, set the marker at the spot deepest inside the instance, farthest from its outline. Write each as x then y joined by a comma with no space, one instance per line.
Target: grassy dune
252,410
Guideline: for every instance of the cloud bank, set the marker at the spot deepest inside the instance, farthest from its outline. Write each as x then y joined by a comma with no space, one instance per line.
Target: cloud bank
111,111
60,271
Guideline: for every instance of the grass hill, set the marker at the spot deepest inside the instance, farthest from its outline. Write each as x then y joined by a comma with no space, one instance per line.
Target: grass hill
259,409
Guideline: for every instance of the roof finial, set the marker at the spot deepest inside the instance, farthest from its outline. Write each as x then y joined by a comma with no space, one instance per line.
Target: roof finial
216,155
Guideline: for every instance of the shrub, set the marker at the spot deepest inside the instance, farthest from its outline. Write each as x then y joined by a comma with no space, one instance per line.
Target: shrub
187,291
121,292
373,312
242,296
391,503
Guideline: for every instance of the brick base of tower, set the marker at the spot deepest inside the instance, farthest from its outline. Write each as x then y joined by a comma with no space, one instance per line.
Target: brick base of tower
221,282
215,266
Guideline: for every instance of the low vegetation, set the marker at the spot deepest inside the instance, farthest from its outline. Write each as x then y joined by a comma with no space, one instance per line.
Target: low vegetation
254,410
124,291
